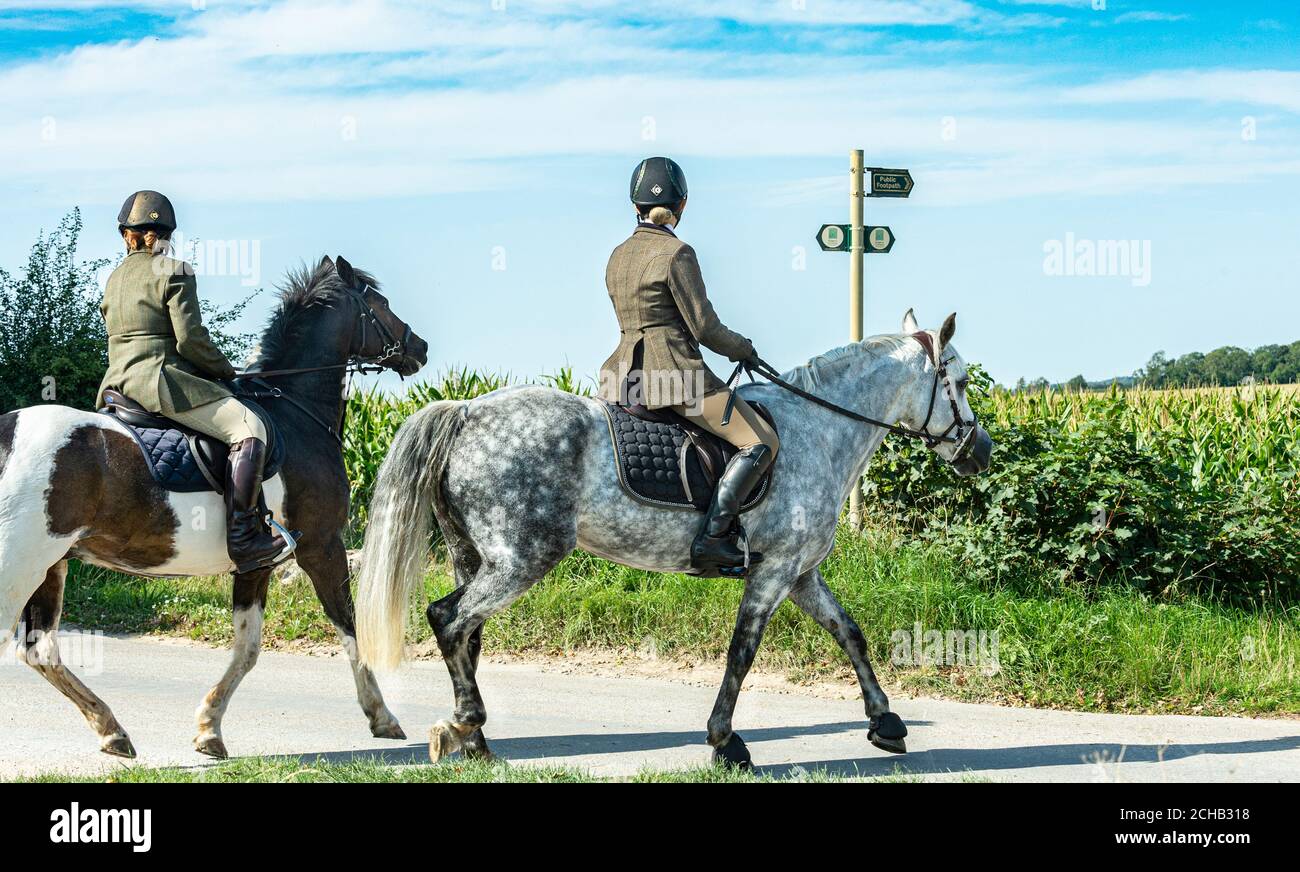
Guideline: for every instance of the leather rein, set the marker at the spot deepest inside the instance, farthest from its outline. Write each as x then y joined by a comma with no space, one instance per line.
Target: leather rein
355,364
964,428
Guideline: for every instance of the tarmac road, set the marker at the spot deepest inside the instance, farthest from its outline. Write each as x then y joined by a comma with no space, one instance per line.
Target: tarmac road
300,704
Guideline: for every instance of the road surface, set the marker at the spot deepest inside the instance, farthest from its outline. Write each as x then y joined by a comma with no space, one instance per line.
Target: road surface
300,704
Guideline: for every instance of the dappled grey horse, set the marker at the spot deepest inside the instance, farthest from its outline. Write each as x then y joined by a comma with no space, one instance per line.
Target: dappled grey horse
508,519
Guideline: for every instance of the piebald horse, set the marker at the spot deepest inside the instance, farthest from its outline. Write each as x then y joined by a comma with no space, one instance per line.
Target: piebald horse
74,484
508,519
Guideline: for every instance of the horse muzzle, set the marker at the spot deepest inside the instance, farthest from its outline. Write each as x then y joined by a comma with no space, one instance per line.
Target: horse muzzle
974,455
413,356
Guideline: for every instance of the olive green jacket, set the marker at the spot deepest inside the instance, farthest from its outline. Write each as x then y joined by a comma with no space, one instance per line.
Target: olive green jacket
159,352
664,316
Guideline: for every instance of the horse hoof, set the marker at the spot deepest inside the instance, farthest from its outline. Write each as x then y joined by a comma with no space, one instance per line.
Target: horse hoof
212,746
475,747
887,732
118,745
443,741
390,730
733,755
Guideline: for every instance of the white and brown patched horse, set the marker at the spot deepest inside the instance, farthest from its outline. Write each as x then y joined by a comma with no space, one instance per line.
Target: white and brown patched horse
75,484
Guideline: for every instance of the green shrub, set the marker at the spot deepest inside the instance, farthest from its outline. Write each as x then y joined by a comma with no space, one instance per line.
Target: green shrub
1097,504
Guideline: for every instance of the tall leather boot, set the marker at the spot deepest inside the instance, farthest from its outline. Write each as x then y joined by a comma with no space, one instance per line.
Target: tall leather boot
715,545
249,541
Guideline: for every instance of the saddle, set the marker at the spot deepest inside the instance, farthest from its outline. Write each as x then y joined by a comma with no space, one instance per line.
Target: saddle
665,460
180,459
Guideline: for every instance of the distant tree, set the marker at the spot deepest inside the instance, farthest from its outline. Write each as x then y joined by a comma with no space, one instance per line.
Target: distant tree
1156,372
1229,365
1077,384
53,345
1226,366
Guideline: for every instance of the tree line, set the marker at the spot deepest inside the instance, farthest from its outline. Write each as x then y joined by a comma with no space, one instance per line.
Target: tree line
1222,367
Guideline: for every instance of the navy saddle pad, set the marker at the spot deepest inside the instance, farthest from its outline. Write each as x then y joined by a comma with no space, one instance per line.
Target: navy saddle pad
664,460
180,459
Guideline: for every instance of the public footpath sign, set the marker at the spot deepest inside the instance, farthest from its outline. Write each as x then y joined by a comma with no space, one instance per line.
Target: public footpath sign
890,183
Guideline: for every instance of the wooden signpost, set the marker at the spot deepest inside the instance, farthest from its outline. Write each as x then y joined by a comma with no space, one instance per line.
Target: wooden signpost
858,239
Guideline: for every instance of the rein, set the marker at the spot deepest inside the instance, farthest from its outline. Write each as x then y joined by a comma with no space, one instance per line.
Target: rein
761,367
354,364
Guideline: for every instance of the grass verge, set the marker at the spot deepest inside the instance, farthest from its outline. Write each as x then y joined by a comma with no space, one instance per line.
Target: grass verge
1104,650
283,770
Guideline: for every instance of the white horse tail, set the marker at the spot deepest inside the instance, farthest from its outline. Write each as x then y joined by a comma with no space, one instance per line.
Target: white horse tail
401,521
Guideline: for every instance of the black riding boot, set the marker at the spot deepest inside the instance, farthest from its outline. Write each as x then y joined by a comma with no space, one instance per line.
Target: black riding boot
249,541
716,546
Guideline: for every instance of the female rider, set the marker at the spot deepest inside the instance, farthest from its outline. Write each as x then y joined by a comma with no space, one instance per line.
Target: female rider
664,316
161,356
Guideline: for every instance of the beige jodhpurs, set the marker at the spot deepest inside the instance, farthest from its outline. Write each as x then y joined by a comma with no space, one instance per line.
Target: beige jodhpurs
227,419
746,428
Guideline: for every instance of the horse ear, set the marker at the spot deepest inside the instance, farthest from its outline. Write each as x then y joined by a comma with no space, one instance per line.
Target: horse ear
325,261
345,271
945,332
909,323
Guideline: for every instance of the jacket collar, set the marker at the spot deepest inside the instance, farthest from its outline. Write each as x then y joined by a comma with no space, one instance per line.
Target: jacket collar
660,228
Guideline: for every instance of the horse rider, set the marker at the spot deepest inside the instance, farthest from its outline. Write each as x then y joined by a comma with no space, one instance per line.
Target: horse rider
161,356
664,316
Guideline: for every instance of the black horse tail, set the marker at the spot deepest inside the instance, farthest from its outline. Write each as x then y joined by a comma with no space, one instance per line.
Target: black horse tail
407,495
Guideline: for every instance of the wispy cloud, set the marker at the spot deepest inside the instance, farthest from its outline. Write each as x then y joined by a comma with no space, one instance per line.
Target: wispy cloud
376,98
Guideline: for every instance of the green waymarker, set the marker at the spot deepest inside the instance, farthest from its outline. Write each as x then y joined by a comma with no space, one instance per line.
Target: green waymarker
879,239
835,237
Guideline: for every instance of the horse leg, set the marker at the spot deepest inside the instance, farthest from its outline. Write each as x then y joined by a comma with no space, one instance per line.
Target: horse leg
457,621
42,619
328,571
810,593
465,565
249,599
763,593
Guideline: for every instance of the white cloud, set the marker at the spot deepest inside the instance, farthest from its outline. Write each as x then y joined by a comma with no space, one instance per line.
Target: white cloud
260,103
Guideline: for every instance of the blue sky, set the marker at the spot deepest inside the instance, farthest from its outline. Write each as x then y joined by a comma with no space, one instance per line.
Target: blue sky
475,156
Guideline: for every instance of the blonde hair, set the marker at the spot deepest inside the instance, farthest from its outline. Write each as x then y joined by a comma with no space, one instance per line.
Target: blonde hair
661,215
148,239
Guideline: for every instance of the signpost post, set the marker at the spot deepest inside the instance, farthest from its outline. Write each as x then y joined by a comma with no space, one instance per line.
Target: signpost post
857,240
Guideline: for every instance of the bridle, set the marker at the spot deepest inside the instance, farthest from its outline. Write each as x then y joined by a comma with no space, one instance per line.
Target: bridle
356,363
965,430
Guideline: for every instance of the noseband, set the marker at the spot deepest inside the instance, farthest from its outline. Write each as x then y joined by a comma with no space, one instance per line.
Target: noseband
367,318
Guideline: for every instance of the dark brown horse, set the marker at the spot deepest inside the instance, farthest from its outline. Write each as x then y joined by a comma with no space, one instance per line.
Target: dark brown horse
75,484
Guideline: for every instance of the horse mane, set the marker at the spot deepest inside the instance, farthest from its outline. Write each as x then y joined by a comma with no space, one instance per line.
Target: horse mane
303,288
810,374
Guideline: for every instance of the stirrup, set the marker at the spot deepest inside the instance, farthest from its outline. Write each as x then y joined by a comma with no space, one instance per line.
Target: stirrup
740,570
290,541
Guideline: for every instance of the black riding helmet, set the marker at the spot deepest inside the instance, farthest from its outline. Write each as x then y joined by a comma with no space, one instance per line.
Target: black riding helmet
145,209
658,181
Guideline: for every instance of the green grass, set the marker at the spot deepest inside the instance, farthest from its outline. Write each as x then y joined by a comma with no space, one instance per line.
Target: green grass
1110,649
281,770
